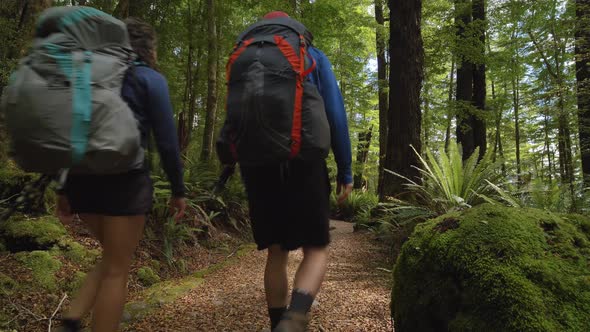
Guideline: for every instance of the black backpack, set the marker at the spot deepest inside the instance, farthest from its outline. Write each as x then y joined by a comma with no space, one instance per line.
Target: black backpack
274,112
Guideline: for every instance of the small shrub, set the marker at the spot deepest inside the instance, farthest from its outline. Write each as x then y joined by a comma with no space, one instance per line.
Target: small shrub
7,284
75,281
355,206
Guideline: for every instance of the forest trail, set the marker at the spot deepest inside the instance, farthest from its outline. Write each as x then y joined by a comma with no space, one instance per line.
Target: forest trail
355,295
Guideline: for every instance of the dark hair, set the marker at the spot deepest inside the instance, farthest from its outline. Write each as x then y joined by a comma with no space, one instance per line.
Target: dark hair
143,40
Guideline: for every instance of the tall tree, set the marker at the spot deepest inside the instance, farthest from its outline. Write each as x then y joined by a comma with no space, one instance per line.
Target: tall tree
450,103
405,82
464,92
479,77
185,122
582,51
210,117
362,155
382,87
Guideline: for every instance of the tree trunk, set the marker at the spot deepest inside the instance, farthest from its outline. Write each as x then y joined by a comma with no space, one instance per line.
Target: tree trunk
582,52
209,131
122,9
405,82
548,145
516,106
184,121
382,84
450,105
464,81
362,156
426,114
479,78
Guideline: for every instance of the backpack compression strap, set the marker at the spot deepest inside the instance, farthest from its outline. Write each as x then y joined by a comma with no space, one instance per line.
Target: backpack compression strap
297,61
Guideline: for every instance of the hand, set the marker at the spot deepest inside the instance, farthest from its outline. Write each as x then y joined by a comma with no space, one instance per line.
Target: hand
343,190
177,204
63,210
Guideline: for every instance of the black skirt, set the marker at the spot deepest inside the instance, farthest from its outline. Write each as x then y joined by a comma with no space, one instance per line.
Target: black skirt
126,194
289,204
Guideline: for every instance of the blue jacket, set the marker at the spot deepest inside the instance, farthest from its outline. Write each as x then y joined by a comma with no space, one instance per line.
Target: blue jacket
323,77
146,92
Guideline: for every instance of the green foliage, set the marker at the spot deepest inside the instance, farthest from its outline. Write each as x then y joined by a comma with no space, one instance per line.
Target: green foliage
449,183
147,276
43,268
22,233
526,268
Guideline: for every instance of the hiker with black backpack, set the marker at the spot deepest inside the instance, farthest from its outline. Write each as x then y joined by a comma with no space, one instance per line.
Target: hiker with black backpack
83,104
284,112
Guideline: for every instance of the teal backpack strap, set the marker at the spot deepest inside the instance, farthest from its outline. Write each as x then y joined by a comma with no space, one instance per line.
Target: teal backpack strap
81,105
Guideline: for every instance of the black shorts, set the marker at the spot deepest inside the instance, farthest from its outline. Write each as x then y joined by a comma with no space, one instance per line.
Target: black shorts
289,204
126,194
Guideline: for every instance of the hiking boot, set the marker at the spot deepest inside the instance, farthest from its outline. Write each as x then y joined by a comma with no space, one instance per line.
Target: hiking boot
70,325
292,322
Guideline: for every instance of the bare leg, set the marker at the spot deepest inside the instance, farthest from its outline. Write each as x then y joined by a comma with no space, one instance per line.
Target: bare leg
311,271
121,237
84,299
276,284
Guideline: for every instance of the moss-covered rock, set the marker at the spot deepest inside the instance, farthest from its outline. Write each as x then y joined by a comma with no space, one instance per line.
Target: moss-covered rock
7,284
43,268
493,268
147,276
26,234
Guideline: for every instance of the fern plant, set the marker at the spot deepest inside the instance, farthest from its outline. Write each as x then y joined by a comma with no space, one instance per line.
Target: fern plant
451,183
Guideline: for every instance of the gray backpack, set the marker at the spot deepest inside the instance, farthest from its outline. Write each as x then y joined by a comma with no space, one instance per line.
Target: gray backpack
63,104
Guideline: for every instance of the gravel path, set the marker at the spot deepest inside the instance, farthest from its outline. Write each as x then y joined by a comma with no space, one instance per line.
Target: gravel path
354,296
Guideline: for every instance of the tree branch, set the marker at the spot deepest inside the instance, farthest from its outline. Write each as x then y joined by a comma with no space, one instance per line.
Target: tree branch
543,56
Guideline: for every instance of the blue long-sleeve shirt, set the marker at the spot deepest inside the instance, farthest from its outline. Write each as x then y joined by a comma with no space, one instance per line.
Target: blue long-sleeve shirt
323,77
146,92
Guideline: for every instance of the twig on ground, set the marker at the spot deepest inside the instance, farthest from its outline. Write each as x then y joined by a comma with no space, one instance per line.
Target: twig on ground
56,310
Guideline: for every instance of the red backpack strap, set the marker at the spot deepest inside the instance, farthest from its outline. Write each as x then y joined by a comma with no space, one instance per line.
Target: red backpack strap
312,67
238,50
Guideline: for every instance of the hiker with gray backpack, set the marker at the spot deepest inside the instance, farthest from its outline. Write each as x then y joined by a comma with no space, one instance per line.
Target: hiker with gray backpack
284,112
81,107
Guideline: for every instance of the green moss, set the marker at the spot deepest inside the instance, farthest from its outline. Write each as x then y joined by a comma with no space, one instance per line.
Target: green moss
76,253
493,268
147,276
7,284
43,268
26,234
